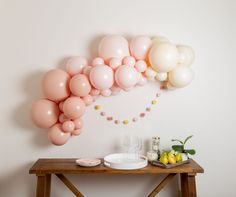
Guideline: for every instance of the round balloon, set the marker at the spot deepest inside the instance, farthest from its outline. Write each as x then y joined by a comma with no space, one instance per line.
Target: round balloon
101,77
73,107
44,113
88,100
163,57
161,76
186,55
180,76
139,47
140,66
78,123
113,46
75,65
79,85
68,126
57,136
55,85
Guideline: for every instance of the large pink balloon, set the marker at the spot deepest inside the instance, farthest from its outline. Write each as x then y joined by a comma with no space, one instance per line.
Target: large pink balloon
126,76
113,46
101,77
75,65
73,107
44,113
139,47
57,136
79,85
56,85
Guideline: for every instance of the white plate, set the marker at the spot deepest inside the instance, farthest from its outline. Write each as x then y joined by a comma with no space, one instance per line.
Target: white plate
125,161
88,162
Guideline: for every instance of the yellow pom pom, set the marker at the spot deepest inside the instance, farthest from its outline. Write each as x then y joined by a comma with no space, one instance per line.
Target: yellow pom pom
98,107
154,102
126,122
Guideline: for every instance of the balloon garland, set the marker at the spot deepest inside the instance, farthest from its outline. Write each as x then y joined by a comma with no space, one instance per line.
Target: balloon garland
119,66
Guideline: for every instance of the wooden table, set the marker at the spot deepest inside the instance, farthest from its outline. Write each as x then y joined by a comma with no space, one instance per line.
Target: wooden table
44,168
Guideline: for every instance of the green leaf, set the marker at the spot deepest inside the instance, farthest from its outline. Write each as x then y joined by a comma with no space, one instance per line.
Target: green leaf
187,138
179,148
190,151
175,140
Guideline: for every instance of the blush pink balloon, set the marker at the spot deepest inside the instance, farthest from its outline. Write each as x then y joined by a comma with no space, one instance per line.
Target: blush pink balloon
113,46
44,113
57,136
68,126
139,47
126,76
76,132
75,65
101,77
114,62
63,118
86,70
129,61
78,123
79,85
73,107
106,93
142,81
97,61
55,85
61,106
140,66
95,92
88,100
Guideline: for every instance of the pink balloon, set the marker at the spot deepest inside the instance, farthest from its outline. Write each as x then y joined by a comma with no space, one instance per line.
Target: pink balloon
114,62
63,118
57,136
73,107
97,61
129,61
78,123
68,126
139,47
44,113
140,66
88,100
76,132
61,106
142,81
101,77
56,85
95,92
113,46
86,70
126,76
75,65
79,85
106,92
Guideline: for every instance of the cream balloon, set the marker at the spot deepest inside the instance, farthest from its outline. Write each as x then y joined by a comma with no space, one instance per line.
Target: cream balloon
113,46
186,55
163,57
161,77
75,65
150,73
180,76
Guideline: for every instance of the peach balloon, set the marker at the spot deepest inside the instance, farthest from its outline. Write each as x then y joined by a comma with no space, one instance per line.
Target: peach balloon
61,106
44,113
75,65
97,61
78,123
63,118
140,66
68,126
55,85
101,77
95,92
113,46
129,60
87,70
57,136
114,62
73,107
106,93
88,100
76,132
79,85
139,47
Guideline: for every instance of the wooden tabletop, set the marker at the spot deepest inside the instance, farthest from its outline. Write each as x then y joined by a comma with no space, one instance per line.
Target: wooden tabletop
68,166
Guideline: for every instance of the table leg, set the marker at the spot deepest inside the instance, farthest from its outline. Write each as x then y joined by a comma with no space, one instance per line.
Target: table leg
41,186
188,185
48,185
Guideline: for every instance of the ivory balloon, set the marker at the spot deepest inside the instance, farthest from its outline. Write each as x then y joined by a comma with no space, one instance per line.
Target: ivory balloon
180,76
163,57
150,73
161,77
75,65
73,107
113,46
55,85
68,126
44,113
101,77
79,85
186,55
139,47
57,136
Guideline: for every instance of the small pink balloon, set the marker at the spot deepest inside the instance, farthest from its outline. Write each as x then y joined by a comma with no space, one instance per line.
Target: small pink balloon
76,132
106,93
140,66
44,113
139,47
129,61
115,88
79,85
55,85
95,92
88,100
142,81
101,77
86,70
73,107
114,62
113,46
63,118
97,61
78,123
126,76
75,65
57,136
68,126
61,106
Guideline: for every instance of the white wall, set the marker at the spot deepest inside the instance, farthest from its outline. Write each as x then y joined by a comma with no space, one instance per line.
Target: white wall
38,35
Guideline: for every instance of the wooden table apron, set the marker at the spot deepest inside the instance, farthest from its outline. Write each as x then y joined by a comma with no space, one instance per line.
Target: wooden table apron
44,168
